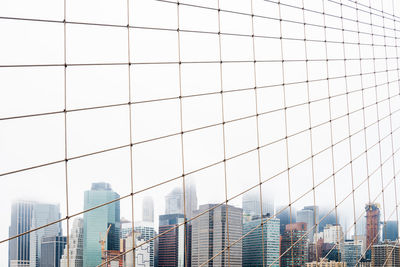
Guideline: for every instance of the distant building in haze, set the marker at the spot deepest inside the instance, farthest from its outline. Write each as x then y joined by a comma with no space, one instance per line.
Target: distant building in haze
148,209
252,205
43,214
51,250
265,238
285,217
295,256
75,246
174,203
372,224
390,231
307,216
210,235
326,217
98,220
18,248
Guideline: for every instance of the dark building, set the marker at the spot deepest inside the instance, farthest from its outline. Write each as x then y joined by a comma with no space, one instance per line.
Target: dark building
330,252
21,219
390,231
52,249
294,243
315,250
372,224
171,245
285,218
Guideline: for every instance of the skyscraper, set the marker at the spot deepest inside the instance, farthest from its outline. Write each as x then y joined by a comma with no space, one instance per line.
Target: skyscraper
75,246
210,235
315,221
390,231
307,216
18,248
284,217
43,214
268,234
296,255
171,245
174,200
96,222
372,225
252,205
148,209
190,197
51,250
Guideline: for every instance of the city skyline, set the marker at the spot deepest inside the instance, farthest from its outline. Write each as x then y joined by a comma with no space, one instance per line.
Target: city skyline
249,221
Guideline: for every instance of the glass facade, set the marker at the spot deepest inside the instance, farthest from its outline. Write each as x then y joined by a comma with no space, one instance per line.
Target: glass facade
268,234
97,221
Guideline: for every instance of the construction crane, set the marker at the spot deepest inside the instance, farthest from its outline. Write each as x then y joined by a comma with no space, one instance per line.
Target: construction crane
102,243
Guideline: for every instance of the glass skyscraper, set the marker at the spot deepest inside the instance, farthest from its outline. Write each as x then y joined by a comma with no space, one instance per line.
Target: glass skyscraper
43,214
98,220
252,243
18,248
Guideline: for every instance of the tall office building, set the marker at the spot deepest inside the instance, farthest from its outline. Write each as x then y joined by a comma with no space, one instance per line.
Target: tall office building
75,246
51,250
148,209
252,207
372,224
190,197
390,231
174,203
147,232
285,217
18,248
43,214
295,255
307,216
351,252
210,235
171,245
315,221
268,234
96,222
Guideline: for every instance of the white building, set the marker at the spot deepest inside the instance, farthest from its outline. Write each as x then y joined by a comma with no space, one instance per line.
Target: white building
146,229
142,253
333,234
75,246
